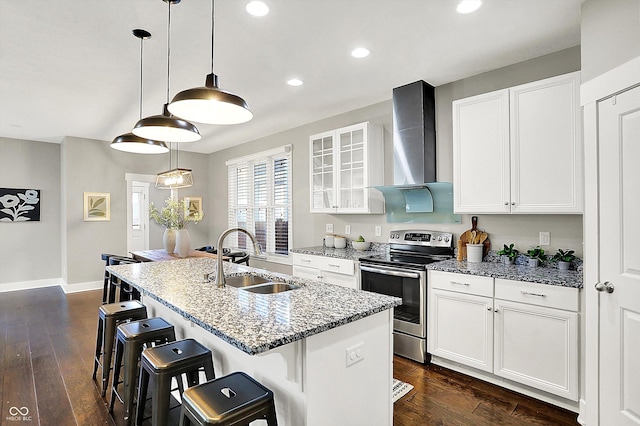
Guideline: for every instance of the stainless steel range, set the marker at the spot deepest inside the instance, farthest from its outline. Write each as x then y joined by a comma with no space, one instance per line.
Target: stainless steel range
402,273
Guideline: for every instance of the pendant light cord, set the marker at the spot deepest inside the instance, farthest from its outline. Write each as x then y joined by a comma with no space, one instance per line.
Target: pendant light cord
212,32
168,48
141,88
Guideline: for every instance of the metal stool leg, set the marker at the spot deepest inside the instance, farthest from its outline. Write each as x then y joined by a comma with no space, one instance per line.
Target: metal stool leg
98,352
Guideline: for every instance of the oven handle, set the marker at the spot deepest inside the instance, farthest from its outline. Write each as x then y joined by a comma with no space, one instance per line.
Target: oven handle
390,271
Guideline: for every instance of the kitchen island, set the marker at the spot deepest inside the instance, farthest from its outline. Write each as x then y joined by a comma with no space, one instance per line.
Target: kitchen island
298,343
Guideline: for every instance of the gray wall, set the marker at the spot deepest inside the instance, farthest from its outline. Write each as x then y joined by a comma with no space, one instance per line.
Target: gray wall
308,229
31,165
92,166
610,35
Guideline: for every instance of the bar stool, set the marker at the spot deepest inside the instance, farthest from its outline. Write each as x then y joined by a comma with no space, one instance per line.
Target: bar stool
235,399
107,277
126,292
109,316
130,340
163,363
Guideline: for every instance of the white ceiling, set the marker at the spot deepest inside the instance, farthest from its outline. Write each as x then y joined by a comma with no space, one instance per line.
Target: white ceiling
71,67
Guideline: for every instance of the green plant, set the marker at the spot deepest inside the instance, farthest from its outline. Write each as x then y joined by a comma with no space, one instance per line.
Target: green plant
173,215
564,256
537,253
508,251
360,239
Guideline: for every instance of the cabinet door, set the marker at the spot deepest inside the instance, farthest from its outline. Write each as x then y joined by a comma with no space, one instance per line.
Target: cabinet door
461,328
321,164
351,166
350,281
546,147
481,153
537,346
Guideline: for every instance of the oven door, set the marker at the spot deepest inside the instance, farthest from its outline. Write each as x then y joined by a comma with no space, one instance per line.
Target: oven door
407,284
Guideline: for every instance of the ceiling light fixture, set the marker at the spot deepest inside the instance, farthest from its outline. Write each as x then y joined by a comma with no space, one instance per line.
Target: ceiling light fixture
209,104
165,127
468,6
257,8
129,142
174,178
295,82
360,52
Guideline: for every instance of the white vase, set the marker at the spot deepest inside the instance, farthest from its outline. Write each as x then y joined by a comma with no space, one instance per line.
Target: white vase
533,263
564,266
169,240
183,243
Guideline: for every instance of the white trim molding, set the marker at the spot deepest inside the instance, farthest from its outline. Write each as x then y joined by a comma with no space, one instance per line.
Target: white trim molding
78,287
28,285
608,84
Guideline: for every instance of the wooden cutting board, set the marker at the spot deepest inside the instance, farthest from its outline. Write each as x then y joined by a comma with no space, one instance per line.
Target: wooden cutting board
467,236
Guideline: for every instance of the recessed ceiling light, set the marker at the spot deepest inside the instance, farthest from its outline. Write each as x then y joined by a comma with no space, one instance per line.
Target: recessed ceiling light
295,82
257,8
468,6
360,52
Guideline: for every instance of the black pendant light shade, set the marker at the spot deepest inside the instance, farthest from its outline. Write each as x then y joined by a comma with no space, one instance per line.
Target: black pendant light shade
129,142
210,105
166,128
132,143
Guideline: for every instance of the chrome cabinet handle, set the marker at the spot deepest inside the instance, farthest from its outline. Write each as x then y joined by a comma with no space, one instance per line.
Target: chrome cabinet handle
305,260
390,271
605,286
533,294
489,308
506,203
457,283
333,265
513,203
495,310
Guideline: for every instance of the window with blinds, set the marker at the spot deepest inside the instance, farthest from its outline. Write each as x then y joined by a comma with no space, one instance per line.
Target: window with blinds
260,200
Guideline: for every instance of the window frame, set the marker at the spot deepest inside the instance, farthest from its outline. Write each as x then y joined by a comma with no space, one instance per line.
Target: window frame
249,161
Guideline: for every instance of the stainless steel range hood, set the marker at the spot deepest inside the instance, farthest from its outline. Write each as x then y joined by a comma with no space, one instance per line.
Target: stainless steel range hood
415,195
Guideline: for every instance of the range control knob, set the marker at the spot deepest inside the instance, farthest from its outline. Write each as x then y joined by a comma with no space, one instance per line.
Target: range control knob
439,237
446,239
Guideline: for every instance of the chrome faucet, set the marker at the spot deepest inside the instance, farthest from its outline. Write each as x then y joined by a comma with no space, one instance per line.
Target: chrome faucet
220,280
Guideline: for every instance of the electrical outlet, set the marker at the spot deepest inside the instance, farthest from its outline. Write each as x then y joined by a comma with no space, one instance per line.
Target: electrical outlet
355,354
545,238
347,229
378,231
328,227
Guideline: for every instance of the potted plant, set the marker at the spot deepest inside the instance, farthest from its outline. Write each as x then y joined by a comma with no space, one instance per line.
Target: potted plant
536,256
174,218
564,259
508,253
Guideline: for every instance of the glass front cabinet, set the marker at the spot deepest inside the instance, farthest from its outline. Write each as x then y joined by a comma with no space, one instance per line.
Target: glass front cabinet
344,164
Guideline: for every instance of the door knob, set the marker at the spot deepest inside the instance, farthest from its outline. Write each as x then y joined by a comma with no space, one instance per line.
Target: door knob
605,286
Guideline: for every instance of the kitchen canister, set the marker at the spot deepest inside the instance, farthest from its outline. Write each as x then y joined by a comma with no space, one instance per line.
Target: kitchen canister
474,252
340,242
328,241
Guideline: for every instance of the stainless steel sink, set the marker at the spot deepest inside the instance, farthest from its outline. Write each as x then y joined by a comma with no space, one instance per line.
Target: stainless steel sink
270,288
256,284
245,281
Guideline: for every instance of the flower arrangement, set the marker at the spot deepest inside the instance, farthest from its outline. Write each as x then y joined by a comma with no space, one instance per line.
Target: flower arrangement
172,215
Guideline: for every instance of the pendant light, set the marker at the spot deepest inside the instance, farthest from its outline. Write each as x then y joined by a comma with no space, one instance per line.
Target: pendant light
165,127
129,142
209,104
174,178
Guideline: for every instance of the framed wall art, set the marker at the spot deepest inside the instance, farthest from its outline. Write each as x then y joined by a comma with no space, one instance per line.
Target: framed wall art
97,206
192,208
19,205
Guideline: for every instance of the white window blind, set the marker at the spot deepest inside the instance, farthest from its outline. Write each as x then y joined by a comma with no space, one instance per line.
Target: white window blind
260,200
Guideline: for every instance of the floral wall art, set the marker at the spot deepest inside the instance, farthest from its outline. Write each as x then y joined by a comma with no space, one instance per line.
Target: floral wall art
97,206
19,205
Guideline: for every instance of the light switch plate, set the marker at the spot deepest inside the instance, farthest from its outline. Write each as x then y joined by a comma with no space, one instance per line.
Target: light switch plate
355,354
378,231
328,227
545,238
347,229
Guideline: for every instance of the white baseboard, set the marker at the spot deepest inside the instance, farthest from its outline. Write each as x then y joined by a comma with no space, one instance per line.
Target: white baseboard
27,285
77,287
583,410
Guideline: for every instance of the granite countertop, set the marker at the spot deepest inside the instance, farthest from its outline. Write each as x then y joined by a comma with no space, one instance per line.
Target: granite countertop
519,272
346,253
253,323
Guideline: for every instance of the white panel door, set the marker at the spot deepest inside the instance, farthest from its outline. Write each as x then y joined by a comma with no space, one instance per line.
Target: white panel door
619,250
139,231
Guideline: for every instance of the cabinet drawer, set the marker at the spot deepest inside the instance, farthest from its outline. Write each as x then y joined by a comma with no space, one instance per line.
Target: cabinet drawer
339,266
551,296
461,283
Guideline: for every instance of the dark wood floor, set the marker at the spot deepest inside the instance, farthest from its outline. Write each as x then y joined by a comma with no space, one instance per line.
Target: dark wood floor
47,340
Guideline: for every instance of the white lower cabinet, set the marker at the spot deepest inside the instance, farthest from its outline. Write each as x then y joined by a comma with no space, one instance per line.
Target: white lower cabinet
330,270
521,331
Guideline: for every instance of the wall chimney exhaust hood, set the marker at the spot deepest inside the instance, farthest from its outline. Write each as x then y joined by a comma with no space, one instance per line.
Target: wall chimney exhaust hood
415,195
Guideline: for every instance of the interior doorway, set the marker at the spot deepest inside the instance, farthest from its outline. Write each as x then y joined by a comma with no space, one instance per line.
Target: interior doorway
138,235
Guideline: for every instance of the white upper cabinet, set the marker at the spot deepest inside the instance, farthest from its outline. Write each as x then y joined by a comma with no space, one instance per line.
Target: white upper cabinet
344,163
518,150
